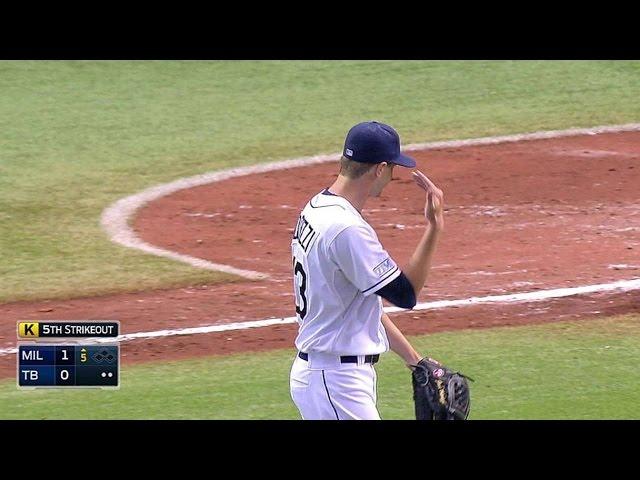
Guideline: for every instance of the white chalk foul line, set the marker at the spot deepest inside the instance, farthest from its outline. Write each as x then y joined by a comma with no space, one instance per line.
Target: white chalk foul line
115,219
537,296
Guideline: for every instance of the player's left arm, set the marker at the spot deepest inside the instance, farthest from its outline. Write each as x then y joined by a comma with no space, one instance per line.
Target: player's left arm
399,343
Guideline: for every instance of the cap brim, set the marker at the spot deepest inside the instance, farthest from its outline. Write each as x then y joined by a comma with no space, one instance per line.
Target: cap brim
404,160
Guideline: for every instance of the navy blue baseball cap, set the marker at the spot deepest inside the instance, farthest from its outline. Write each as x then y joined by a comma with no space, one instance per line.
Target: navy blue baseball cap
375,142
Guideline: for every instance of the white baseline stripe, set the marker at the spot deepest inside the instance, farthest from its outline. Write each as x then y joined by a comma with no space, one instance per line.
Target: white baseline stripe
537,296
115,218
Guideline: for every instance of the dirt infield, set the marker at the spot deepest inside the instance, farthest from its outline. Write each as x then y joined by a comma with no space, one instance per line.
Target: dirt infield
519,217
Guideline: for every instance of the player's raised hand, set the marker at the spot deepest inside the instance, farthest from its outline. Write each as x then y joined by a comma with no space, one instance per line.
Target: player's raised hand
434,202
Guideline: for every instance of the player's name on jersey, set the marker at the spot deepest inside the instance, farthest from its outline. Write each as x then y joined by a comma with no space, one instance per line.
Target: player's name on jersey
60,329
304,233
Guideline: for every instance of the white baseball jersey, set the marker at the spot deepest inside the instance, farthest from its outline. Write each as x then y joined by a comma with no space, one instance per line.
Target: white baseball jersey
338,265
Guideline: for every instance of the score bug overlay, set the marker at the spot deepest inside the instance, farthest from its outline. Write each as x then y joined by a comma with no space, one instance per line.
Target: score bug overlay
68,354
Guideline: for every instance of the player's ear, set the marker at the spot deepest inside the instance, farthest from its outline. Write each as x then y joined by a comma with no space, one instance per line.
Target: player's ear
380,168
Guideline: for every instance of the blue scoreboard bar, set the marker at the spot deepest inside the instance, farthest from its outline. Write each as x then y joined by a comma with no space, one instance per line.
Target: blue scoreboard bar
68,365
53,354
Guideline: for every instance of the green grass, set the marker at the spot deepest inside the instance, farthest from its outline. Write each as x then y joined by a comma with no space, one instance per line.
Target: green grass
77,136
568,370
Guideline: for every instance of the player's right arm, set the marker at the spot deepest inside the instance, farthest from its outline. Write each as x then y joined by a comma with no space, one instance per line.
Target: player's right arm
417,268
369,267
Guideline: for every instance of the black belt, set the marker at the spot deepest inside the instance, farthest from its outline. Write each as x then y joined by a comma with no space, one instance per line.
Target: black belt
347,358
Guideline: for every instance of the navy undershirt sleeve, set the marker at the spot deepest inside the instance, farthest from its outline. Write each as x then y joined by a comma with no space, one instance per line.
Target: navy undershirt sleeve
399,292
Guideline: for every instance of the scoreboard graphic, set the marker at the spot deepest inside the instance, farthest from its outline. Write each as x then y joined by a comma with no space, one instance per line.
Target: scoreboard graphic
68,354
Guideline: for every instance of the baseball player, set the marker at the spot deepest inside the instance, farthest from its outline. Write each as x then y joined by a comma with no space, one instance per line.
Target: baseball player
342,272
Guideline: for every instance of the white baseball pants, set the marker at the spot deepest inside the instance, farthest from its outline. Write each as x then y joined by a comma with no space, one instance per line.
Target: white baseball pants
324,389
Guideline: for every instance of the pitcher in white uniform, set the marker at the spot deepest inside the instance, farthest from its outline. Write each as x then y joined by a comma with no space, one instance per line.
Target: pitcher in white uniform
342,272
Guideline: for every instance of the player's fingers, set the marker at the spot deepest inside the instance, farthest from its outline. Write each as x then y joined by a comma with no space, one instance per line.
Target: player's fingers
420,182
417,177
424,178
430,185
433,187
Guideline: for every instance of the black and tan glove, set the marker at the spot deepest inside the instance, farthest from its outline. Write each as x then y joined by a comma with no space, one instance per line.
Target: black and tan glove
438,392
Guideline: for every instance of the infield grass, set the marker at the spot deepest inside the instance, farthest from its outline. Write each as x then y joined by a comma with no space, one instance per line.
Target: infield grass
565,370
78,135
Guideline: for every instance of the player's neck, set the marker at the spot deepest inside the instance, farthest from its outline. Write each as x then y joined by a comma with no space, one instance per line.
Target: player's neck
352,190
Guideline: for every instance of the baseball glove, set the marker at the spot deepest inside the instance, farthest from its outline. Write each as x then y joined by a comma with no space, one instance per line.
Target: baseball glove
438,392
